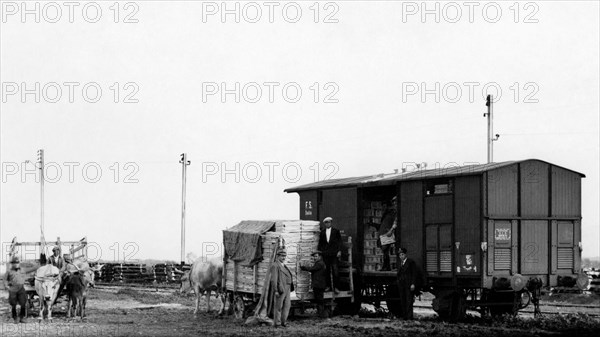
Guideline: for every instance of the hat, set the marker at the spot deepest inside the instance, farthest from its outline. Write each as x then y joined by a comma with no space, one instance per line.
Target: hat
316,252
14,259
403,250
55,249
328,219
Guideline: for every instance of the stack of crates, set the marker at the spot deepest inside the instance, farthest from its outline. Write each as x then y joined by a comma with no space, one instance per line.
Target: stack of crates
372,254
373,214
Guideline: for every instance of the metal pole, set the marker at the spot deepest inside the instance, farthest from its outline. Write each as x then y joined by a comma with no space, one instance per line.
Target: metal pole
184,163
490,139
41,161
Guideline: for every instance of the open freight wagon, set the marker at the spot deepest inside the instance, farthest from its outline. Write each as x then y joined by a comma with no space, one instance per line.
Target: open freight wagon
488,236
251,247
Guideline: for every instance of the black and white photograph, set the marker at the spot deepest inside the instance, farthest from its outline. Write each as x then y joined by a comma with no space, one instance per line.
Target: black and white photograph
299,168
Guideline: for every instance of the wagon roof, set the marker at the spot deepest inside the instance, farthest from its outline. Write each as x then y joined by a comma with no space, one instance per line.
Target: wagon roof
392,178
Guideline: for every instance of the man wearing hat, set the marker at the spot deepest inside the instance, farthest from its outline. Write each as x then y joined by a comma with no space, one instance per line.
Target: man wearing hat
387,237
281,285
330,244
407,282
14,282
318,275
56,260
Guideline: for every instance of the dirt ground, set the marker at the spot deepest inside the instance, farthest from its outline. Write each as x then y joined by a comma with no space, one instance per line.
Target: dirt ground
133,312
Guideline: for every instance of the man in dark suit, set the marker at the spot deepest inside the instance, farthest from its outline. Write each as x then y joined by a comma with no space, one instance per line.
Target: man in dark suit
281,286
407,279
318,277
330,244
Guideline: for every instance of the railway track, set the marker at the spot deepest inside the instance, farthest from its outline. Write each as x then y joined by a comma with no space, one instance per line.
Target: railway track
529,312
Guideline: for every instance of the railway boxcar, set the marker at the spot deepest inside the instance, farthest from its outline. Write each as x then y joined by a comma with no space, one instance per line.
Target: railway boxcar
487,236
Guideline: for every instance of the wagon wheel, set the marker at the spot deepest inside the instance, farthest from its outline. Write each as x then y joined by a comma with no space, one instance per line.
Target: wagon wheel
458,310
239,307
450,305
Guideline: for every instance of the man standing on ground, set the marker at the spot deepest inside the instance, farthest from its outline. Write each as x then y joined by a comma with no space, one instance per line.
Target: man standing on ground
282,285
318,276
330,244
14,282
407,279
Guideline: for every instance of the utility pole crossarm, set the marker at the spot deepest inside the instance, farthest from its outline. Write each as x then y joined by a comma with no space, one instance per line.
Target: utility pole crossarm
490,124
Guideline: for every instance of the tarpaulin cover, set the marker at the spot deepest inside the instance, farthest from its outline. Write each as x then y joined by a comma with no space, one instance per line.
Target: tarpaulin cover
242,241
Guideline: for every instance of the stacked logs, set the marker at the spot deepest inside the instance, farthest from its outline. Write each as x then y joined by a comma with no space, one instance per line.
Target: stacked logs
167,272
140,273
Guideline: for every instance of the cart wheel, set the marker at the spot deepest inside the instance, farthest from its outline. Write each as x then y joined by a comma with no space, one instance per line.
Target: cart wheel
30,301
239,307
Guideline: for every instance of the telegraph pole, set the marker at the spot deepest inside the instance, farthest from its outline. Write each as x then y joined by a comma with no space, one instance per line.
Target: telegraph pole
184,162
490,124
41,168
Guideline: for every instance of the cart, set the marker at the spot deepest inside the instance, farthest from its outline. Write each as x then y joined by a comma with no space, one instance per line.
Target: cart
251,247
29,254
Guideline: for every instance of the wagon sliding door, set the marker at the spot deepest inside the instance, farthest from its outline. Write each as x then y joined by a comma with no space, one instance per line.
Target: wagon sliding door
342,205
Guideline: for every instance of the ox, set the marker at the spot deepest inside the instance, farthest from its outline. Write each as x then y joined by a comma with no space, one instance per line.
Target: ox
76,292
81,267
76,273
204,276
46,285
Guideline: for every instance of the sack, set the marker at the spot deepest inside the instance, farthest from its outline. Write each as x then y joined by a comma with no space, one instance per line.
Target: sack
387,240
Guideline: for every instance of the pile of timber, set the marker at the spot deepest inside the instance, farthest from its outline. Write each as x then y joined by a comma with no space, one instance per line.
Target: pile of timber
106,274
139,273
166,272
133,273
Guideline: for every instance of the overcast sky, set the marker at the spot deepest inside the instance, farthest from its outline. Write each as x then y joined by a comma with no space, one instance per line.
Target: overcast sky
367,88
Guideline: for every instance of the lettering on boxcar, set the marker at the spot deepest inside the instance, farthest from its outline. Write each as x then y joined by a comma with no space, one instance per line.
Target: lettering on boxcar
307,208
502,234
